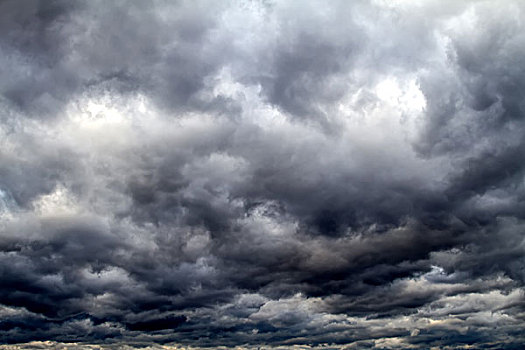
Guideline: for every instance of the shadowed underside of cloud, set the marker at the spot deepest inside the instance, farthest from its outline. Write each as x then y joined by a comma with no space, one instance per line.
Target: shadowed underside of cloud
276,174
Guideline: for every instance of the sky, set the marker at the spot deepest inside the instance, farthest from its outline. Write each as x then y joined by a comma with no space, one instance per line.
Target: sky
262,174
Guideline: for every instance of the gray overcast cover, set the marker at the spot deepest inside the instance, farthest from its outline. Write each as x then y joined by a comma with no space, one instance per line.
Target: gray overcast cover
262,174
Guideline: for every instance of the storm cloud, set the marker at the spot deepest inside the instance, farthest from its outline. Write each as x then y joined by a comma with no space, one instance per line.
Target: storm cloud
262,174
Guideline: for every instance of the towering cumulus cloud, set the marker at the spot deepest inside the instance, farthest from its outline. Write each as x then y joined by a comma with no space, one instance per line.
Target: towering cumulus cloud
259,174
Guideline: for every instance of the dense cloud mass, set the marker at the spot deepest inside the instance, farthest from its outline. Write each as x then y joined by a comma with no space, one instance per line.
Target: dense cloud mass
262,174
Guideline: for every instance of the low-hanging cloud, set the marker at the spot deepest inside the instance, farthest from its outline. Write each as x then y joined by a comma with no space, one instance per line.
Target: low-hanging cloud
276,174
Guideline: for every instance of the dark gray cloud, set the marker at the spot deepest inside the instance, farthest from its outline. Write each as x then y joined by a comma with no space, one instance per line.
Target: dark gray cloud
276,174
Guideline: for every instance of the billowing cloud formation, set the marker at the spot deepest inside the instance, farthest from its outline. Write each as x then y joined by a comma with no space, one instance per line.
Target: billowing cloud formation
278,174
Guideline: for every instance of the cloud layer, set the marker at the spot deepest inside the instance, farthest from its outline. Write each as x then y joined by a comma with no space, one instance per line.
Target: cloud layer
262,173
